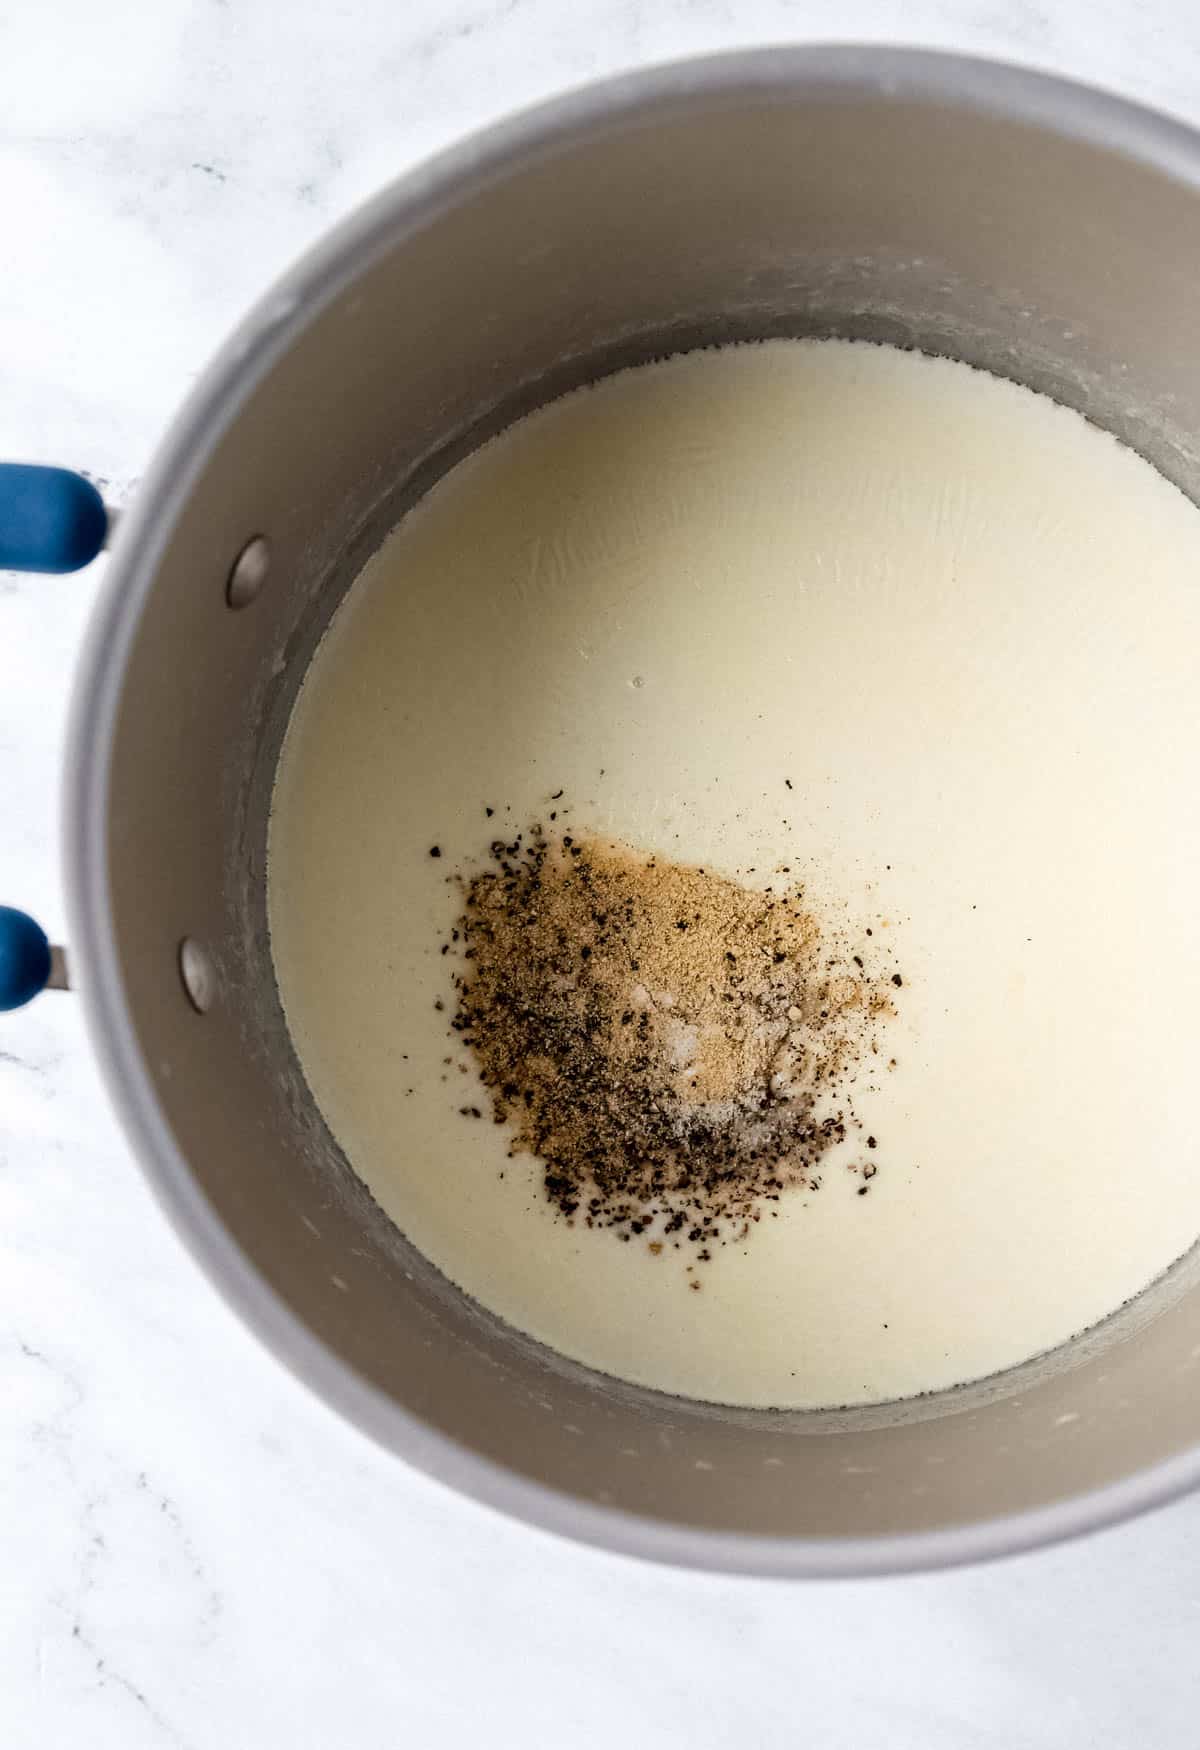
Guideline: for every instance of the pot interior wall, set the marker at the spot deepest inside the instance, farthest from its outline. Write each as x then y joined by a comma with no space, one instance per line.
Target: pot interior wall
828,210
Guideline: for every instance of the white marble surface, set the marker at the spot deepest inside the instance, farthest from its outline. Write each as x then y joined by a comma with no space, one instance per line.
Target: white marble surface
192,1551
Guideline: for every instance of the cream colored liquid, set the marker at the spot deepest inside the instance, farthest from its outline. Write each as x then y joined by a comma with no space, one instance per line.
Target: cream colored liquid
963,624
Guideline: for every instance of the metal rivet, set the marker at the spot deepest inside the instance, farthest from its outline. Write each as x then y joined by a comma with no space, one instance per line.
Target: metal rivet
197,976
249,572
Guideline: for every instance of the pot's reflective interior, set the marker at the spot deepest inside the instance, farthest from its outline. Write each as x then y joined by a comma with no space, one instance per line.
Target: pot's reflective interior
735,213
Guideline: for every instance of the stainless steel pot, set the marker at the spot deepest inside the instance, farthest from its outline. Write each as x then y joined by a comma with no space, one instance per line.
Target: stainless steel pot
1043,231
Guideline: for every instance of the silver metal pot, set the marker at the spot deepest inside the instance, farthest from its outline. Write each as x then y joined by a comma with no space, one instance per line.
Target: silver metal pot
1043,231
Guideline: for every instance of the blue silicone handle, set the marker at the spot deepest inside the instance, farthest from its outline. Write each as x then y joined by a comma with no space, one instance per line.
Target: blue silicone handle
24,958
50,519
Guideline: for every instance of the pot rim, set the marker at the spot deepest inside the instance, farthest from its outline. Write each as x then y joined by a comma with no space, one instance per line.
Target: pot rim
764,75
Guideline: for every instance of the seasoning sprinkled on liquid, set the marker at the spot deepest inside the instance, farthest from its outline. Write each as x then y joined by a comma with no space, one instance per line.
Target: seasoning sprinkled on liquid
677,1049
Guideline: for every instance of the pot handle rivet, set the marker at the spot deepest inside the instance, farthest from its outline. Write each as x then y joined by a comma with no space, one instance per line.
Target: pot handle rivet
249,572
28,962
197,975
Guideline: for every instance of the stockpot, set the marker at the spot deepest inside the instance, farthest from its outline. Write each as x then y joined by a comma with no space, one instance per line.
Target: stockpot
1046,232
